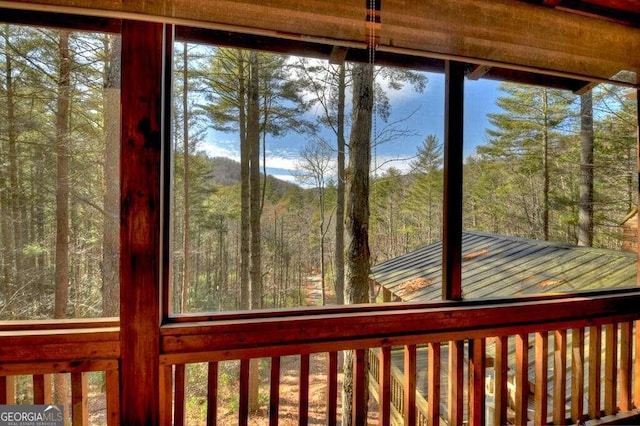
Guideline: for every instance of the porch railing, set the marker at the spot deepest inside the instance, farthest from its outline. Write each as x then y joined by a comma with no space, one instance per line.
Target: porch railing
589,339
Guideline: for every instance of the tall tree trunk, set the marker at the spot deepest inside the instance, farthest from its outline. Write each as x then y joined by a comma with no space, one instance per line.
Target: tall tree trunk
545,163
339,244
253,139
585,213
14,184
111,179
245,194
357,215
62,180
62,197
185,180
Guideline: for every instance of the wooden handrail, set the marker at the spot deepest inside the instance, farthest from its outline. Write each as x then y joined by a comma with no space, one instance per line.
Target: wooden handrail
75,347
247,338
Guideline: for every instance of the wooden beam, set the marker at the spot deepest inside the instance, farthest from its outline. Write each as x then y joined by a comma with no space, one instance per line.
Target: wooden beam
511,32
452,196
478,71
338,54
499,31
142,140
584,89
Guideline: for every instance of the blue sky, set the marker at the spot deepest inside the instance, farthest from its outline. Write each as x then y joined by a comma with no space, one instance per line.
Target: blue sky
426,112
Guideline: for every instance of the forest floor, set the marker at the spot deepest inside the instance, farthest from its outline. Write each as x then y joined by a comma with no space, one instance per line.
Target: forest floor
289,379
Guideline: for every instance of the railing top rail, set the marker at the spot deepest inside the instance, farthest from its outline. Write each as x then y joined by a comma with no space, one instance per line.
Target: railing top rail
338,330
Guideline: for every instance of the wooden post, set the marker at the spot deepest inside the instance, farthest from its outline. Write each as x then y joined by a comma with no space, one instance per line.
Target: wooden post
452,197
140,156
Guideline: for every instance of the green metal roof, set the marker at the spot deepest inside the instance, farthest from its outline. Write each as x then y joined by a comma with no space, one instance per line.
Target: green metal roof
498,266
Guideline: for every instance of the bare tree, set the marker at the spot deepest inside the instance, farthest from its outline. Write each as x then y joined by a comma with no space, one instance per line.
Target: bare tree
313,169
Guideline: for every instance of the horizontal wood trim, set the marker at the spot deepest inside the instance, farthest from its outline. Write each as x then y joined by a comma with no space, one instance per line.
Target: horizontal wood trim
498,31
262,314
58,324
59,345
235,339
77,366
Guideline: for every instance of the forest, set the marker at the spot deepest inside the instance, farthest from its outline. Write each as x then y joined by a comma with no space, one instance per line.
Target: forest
553,166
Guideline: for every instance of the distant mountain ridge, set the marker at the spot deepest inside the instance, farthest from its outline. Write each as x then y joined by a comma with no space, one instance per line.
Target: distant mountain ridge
226,172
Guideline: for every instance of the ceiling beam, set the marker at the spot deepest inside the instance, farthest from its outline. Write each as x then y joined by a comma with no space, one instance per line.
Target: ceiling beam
503,33
478,71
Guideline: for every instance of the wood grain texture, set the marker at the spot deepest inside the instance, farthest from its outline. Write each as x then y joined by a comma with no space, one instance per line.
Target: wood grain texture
501,31
140,158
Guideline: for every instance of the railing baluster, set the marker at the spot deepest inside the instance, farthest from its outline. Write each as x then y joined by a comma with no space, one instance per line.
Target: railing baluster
79,406
409,412
595,370
501,368
433,384
477,357
359,387
243,405
179,395
577,375
303,405
212,394
7,390
166,394
626,363
522,378
384,386
41,388
560,377
456,382
541,394
611,369
636,365
274,391
112,379
332,410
